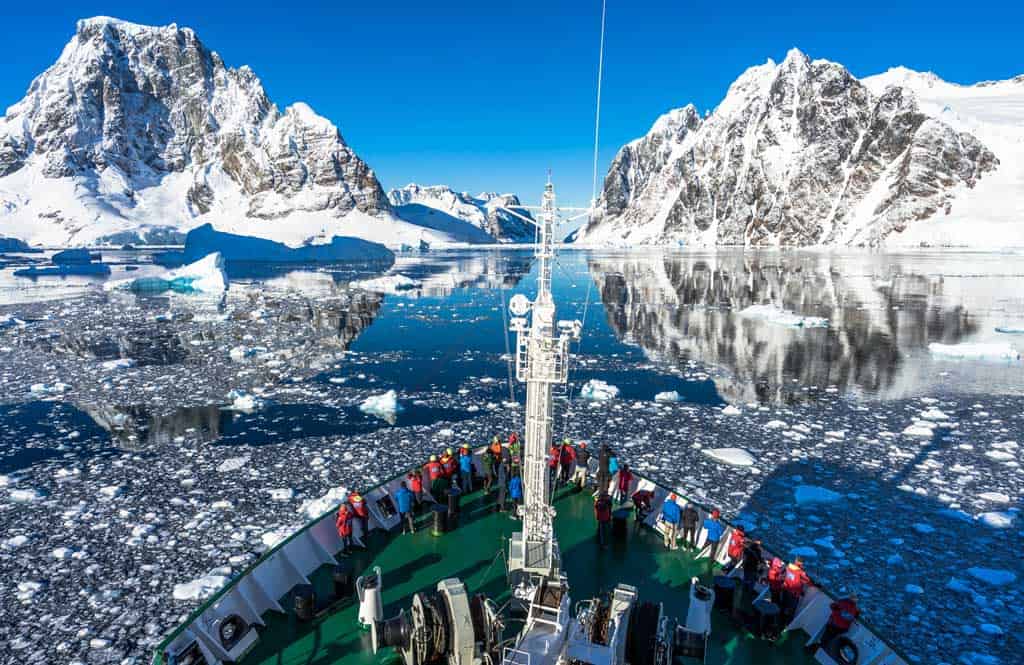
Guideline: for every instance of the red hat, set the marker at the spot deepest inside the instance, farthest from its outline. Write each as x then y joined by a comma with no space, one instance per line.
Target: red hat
672,496
583,444
715,513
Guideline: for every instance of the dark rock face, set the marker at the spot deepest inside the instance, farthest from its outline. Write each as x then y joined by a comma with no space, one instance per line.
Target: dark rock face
799,153
132,105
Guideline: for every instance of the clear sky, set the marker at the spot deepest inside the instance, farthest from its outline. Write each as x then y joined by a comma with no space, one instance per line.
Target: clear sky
486,95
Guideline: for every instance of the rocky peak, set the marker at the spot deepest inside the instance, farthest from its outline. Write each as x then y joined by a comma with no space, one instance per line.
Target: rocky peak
484,211
798,153
128,107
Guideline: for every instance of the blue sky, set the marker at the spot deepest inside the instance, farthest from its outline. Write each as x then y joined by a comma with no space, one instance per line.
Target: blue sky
488,95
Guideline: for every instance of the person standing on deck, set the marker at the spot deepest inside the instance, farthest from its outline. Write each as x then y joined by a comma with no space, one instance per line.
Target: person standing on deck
794,584
344,525
515,491
613,472
361,513
641,507
502,480
414,481
554,455
670,516
449,465
844,613
404,503
735,548
604,475
466,469
579,475
435,474
567,461
776,576
487,461
495,448
690,520
623,484
603,515
714,527
753,562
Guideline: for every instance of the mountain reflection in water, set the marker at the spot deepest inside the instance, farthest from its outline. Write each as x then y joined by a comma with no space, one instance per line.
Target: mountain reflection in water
883,311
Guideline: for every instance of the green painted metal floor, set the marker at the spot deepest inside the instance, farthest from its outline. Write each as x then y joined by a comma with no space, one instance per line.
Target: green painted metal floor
413,563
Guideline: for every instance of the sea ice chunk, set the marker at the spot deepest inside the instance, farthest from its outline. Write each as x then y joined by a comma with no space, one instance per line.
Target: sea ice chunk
668,396
204,276
598,390
731,456
384,406
392,284
200,588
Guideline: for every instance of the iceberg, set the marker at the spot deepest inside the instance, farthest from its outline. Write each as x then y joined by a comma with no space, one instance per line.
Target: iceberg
243,402
391,284
72,256
385,406
992,351
204,239
782,317
598,390
668,396
204,276
730,456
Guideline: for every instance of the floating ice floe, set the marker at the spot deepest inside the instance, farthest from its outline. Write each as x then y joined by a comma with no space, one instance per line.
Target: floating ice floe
384,406
805,552
14,542
316,507
811,494
49,388
731,411
393,284
776,424
921,429
993,576
233,464
994,497
204,276
120,363
731,456
244,402
26,495
997,519
200,588
783,317
282,494
598,390
978,351
668,396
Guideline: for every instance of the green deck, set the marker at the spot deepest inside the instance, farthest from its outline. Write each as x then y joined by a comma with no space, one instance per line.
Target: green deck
472,552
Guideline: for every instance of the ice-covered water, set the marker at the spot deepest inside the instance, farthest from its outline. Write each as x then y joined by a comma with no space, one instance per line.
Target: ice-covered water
170,440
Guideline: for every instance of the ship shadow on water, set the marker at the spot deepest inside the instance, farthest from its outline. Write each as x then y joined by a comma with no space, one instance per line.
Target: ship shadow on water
906,554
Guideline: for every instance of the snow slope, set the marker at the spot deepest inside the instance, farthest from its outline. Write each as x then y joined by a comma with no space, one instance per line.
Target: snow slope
802,153
439,206
139,134
992,213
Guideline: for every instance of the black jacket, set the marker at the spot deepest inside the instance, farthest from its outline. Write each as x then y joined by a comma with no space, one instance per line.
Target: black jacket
690,517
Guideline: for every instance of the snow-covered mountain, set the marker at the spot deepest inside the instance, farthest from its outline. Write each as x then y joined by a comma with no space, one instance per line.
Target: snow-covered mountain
436,203
802,153
138,133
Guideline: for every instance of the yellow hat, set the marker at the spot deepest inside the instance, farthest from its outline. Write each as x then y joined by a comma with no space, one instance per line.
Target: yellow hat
433,458
449,451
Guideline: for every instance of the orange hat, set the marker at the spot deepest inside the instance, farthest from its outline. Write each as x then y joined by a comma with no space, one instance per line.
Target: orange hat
672,496
583,444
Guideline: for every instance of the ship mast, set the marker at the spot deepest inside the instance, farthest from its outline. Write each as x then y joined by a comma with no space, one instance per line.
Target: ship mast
542,359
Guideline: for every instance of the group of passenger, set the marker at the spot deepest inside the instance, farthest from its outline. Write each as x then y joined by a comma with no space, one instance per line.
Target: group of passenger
453,473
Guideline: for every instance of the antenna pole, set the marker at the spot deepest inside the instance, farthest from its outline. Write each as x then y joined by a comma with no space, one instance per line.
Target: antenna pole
597,113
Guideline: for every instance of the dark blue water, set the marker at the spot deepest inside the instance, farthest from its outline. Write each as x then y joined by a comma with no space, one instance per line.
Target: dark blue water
33,432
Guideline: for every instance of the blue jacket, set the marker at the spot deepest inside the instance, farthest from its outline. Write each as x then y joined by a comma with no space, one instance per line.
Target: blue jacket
715,530
466,463
670,512
613,464
403,500
515,488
